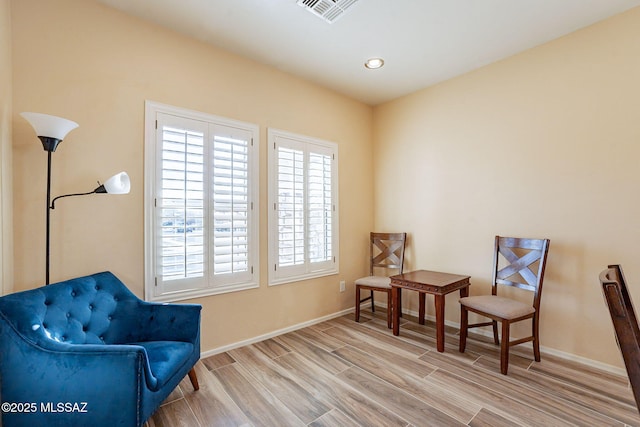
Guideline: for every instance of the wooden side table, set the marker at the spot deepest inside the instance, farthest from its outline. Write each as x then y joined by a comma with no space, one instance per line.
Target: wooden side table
427,282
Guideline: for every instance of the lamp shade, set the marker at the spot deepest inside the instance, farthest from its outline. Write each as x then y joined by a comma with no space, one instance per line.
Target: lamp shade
118,184
49,126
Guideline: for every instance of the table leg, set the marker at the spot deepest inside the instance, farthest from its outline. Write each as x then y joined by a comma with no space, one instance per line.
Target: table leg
464,292
439,300
395,294
421,310
464,321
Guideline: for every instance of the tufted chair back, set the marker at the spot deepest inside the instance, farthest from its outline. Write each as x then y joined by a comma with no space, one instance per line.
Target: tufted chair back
87,310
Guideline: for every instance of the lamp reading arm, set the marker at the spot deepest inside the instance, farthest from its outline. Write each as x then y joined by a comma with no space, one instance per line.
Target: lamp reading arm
53,202
117,184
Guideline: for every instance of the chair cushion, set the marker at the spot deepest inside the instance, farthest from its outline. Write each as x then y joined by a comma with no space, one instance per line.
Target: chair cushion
495,305
165,357
375,281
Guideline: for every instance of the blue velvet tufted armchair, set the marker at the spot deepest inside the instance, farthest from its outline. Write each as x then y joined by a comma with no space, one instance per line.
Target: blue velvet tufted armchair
88,352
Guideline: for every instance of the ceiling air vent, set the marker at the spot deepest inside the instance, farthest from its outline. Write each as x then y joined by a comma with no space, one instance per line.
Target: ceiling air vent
329,10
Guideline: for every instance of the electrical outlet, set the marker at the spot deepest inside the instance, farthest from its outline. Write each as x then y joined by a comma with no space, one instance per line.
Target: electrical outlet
343,286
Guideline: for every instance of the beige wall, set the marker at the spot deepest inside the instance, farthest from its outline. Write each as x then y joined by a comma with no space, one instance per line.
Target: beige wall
6,193
543,144
97,66
539,145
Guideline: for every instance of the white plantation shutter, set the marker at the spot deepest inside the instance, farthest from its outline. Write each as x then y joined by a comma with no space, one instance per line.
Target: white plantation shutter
180,202
320,206
291,207
204,233
303,197
231,211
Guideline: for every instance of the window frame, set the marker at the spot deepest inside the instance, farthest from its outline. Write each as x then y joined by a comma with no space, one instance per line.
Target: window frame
281,275
155,288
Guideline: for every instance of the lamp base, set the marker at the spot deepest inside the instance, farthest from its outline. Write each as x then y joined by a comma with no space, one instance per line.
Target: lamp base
49,144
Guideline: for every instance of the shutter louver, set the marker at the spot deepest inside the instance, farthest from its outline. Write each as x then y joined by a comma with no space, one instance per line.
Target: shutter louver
230,187
291,207
320,207
181,241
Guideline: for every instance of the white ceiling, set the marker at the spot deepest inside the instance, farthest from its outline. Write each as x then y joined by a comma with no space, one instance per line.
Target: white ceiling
423,42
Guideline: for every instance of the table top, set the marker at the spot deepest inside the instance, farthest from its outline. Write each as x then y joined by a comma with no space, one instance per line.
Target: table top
433,282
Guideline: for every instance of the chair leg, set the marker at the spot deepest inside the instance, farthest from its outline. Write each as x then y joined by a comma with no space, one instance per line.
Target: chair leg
504,348
373,305
536,341
464,322
357,303
194,379
495,333
389,308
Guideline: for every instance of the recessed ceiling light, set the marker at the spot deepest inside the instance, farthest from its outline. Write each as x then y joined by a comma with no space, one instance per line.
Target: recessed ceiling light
373,63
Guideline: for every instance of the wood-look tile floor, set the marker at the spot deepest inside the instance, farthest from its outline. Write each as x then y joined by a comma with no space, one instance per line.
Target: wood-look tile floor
342,373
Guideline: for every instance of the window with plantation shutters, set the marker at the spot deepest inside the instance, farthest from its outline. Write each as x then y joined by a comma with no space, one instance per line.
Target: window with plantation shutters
201,205
303,217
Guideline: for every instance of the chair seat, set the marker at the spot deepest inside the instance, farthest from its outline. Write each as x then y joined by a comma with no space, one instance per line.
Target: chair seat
375,281
498,306
163,358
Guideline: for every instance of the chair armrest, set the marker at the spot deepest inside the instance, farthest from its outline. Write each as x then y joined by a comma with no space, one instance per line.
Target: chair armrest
160,322
114,352
78,374
91,350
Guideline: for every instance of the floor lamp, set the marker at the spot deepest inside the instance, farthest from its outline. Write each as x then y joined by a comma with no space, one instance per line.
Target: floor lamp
51,130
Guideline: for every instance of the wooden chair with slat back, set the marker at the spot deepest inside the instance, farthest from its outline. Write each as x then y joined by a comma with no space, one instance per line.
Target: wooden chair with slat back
386,254
519,263
625,323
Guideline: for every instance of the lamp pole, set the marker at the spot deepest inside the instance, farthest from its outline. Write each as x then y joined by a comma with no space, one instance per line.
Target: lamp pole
49,144
48,214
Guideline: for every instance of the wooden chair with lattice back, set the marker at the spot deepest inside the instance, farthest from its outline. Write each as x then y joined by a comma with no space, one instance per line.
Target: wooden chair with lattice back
386,255
625,323
519,263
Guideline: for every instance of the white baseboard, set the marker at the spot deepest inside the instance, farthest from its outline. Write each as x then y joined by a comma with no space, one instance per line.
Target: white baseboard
552,351
275,333
557,353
